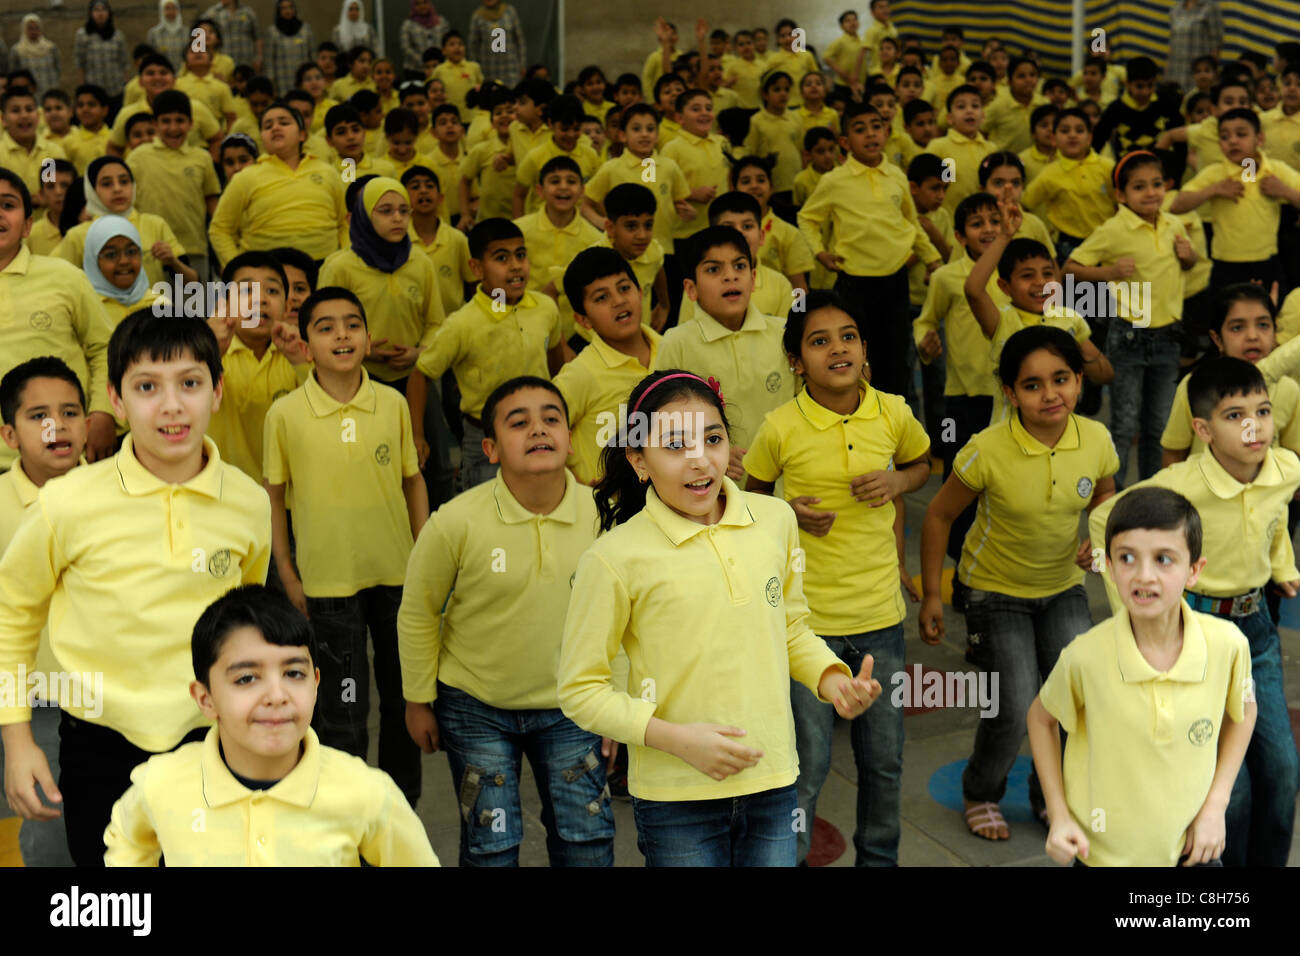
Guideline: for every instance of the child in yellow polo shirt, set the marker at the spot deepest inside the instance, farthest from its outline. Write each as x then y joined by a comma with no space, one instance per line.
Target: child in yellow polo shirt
1247,191
343,438
457,74
564,114
346,137
502,332
1158,704
1241,486
629,231
43,418
255,676
1136,262
685,534
449,131
784,248
772,294
487,173
777,130
45,236
447,248
846,520
1033,474
481,625
963,146
88,139
152,536
1075,190
610,307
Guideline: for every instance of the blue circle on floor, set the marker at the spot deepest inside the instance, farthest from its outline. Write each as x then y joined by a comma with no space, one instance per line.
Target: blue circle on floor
945,789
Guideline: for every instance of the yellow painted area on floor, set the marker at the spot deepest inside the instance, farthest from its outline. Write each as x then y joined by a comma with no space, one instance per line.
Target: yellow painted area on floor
10,855
945,585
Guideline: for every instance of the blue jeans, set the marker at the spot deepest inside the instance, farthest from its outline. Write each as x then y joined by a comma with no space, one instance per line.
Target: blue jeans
485,745
1261,810
343,703
45,842
1146,365
757,829
877,749
1024,637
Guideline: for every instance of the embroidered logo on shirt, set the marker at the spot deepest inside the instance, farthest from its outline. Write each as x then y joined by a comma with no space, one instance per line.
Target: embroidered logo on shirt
774,382
41,320
317,179
191,172
1201,731
381,455
773,591
1084,487
413,293
444,270
219,563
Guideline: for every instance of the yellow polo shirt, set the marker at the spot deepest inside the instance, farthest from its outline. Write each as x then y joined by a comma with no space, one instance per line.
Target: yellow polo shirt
784,247
345,462
876,31
645,267
550,250
825,116
749,364
209,91
458,79
1203,140
851,576
530,167
1283,392
174,184
1143,744
745,78
82,146
110,550
44,237
917,288
1034,160
965,153
17,495
842,53
1245,229
404,306
1243,526
653,68
524,140
873,220
484,347
1076,194
343,88
749,634
663,177
251,386
27,163
449,253
205,127
448,171
1031,227
1197,278
702,161
1006,121
806,182
1282,135
595,384
270,205
1157,266
782,135
1288,317
1026,529
968,362
495,189
489,585
329,810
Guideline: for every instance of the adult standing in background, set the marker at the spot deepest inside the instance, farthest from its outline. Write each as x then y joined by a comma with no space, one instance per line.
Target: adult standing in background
169,36
505,60
101,53
421,30
238,26
289,44
353,30
36,52
1196,29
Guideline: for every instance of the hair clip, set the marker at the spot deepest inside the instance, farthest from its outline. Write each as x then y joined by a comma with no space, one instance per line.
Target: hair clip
717,390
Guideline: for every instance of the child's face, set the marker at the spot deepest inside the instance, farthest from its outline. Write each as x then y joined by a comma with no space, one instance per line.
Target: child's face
305,109
1291,91
1144,192
722,284
850,24
1240,429
986,84
174,129
668,94
967,114
348,139
980,230
198,61
327,61
566,135
832,355
1203,76
928,194
527,112
1006,182
424,194
262,697
594,89
235,158
1238,140
813,88
824,155
594,130
1027,286
502,115
697,115
57,116
418,104
1248,332
373,119
999,60
611,306
777,95
119,261
1151,569
888,53
14,222
337,337
258,102
1232,98
532,433
504,266
1141,90
49,428
910,88
268,305
712,75
1046,389
755,182
383,75
299,289
631,235
454,49
625,96
1266,94
687,458
948,61
745,224
880,10
641,135
1044,135
1059,96
1024,80
140,133
360,66
785,37
1203,109
115,187
561,190
1073,137
401,145
20,118
885,104
281,134
90,112
54,192
1093,111
760,41
391,217
168,404
745,47
313,82
447,129
864,138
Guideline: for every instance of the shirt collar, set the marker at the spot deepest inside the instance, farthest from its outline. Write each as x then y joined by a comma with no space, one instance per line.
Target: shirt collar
857,168
298,787
1131,219
1225,486
20,263
544,223
1192,661
962,139
24,486
613,358
823,418
137,480
1069,440
713,330
679,530
486,303
1069,164
322,403
510,511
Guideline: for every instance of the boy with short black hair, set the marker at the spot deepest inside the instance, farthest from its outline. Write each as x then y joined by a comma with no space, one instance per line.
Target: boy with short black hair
88,139
564,115
963,145
629,230
1137,118
22,148
45,236
772,293
347,138
254,660
449,131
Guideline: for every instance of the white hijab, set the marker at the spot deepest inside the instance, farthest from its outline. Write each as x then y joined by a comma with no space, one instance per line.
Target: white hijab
25,46
173,30
352,33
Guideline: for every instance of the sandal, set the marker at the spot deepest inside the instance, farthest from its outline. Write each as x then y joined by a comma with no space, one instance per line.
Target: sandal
985,820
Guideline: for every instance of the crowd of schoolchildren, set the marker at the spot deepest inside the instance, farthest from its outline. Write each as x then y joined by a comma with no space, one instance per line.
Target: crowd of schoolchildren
696,332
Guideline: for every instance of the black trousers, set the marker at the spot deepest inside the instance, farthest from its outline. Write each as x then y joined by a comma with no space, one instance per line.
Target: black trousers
95,765
966,415
881,304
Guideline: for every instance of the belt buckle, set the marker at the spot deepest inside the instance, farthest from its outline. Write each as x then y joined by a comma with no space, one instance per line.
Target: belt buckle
1245,605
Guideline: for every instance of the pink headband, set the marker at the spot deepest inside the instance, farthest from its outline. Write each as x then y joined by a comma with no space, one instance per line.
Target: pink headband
712,383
